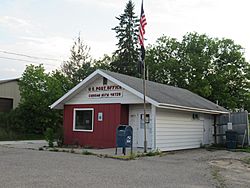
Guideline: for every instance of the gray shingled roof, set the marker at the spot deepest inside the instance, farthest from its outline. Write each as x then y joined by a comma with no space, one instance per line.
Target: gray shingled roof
9,80
167,94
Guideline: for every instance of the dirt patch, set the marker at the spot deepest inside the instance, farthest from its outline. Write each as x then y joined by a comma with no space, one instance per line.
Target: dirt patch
231,172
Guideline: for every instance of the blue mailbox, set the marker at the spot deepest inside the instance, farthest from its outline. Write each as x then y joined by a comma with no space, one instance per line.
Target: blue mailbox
124,138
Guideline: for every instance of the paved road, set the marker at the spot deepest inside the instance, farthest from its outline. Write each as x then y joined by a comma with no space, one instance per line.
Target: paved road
30,168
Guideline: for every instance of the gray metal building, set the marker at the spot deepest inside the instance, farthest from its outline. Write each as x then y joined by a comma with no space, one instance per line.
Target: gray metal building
9,94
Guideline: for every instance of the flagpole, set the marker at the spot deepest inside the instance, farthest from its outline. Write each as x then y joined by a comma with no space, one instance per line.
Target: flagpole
142,25
144,106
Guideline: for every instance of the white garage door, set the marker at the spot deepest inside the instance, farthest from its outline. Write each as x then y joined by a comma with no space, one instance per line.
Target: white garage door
177,130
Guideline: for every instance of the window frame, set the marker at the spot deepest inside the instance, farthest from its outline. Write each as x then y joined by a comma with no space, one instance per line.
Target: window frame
74,119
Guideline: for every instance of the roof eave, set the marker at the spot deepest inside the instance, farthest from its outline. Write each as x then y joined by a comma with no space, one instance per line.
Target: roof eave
60,102
57,104
130,89
9,80
191,109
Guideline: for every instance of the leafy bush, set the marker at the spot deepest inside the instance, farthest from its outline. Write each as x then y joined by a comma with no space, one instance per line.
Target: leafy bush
86,152
49,136
10,121
13,128
59,136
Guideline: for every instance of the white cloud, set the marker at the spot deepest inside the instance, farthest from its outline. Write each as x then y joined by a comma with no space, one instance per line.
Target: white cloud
224,18
16,25
49,47
51,35
99,48
104,3
10,69
13,22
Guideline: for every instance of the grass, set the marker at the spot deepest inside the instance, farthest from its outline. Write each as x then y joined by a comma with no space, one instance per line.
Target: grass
154,153
218,177
246,160
246,149
222,147
54,149
14,136
122,157
133,156
86,152
215,147
130,156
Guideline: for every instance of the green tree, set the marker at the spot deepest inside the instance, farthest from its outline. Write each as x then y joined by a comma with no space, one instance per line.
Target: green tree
38,91
126,56
213,68
196,55
78,67
103,63
164,64
230,75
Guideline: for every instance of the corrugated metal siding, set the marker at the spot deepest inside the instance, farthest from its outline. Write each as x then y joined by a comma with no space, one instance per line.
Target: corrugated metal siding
10,90
103,135
177,130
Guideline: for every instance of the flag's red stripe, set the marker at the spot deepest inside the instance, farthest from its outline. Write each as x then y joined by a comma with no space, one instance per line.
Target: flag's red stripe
143,23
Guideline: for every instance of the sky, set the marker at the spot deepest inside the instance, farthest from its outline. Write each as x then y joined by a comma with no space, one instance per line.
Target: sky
47,28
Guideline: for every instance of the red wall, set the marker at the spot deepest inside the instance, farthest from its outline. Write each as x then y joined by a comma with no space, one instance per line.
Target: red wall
103,135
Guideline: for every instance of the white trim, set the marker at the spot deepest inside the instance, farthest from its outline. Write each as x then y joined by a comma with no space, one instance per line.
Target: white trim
66,95
135,92
74,89
83,109
189,109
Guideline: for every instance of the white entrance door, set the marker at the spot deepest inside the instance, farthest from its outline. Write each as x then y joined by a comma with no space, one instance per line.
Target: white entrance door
207,131
134,122
140,138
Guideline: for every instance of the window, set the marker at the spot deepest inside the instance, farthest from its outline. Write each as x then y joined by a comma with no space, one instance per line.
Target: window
83,119
6,105
105,81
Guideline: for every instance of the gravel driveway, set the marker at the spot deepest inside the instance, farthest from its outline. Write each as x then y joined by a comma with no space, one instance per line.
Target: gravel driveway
190,168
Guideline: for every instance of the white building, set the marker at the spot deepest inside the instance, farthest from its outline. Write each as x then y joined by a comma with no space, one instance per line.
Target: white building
178,118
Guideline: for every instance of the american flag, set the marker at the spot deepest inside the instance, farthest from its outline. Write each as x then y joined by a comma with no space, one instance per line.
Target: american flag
143,23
